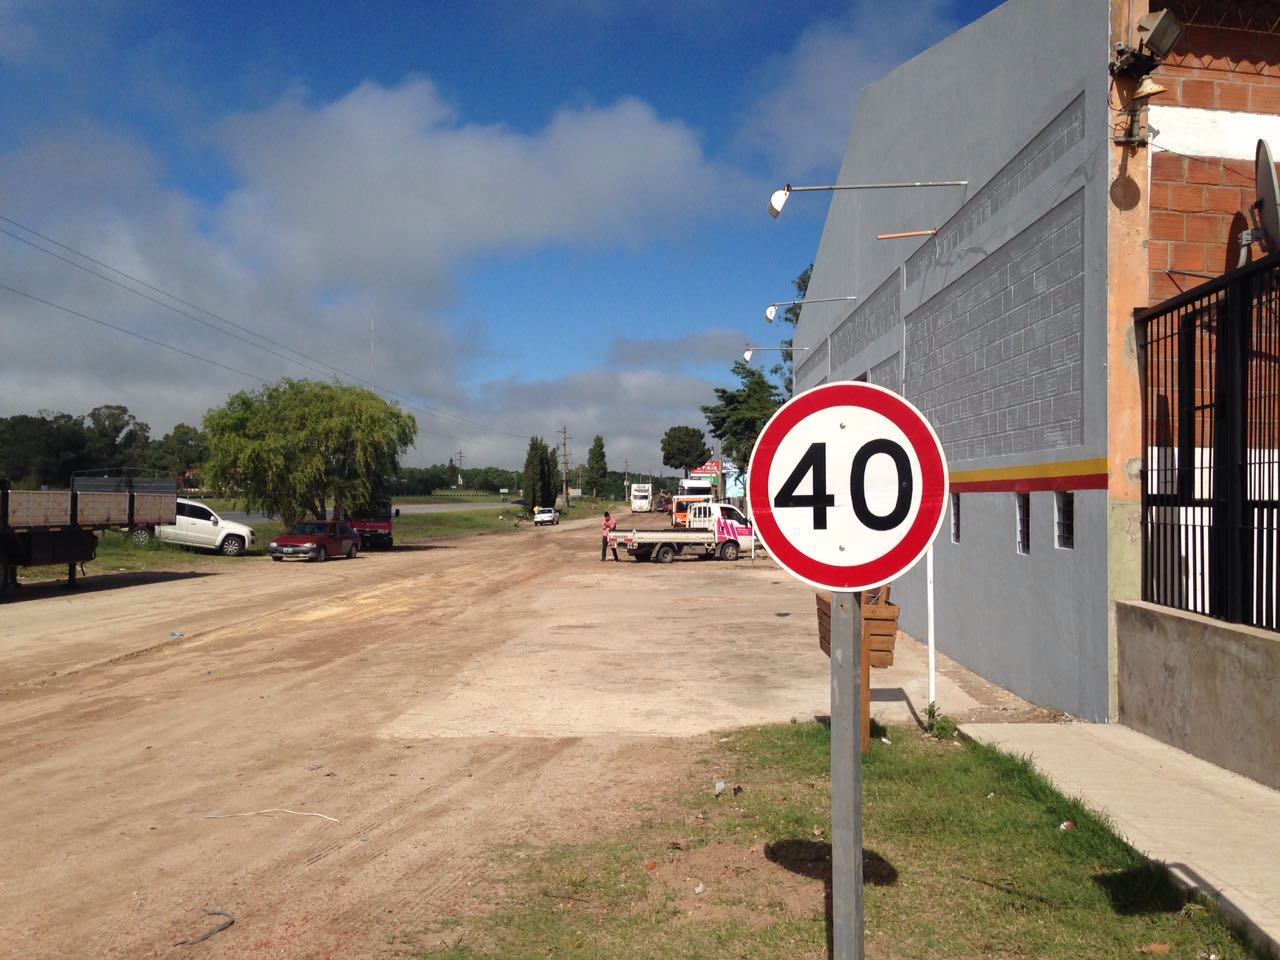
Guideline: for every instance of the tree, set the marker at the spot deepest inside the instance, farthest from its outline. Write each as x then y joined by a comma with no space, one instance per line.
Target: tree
540,475
738,416
293,446
182,449
597,467
116,438
684,448
785,370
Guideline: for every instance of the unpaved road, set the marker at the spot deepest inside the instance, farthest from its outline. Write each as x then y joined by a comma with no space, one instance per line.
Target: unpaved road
437,702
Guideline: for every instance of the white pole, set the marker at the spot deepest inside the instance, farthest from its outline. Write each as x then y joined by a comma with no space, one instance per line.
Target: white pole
933,687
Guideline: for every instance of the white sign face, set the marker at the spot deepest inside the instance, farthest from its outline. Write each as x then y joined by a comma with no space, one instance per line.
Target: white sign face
848,485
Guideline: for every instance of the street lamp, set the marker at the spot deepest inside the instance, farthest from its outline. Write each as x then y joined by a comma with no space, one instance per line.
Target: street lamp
779,197
771,311
746,354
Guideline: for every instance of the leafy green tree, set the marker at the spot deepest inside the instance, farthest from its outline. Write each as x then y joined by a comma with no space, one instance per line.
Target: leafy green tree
684,448
738,416
293,446
44,449
116,438
540,475
555,480
785,370
181,449
597,467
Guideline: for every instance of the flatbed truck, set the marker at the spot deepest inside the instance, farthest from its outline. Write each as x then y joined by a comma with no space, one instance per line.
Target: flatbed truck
717,529
60,526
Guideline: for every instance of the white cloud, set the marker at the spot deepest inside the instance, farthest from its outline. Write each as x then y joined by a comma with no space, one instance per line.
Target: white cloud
802,120
382,192
388,183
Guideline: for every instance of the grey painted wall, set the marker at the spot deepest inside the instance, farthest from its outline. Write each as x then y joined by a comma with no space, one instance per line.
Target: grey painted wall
995,327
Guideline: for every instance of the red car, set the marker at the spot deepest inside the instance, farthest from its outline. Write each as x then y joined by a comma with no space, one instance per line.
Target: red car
316,540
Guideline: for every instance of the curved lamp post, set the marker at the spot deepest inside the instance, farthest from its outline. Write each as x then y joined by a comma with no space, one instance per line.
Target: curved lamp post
771,311
779,197
746,354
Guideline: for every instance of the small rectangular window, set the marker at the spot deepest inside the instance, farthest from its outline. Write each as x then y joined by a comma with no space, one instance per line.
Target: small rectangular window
1024,522
955,518
1065,519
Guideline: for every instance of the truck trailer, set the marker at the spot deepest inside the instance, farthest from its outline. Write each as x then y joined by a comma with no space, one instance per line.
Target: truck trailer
60,526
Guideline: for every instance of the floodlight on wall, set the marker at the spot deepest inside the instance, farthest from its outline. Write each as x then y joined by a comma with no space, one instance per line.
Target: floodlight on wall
779,197
1158,34
771,311
746,354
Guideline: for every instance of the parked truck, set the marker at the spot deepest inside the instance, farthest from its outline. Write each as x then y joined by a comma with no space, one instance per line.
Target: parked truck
60,526
374,526
641,497
717,529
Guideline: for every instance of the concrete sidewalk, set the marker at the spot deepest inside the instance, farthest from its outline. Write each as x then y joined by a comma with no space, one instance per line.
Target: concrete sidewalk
1217,831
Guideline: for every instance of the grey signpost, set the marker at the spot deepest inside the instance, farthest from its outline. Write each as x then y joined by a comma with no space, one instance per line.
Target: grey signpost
846,776
847,486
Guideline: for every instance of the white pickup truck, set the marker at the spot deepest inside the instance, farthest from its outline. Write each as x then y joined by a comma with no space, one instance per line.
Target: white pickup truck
717,529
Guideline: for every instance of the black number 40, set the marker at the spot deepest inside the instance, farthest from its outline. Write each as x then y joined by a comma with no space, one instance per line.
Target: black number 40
815,461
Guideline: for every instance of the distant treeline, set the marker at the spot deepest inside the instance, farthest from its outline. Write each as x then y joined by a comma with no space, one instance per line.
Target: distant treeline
45,449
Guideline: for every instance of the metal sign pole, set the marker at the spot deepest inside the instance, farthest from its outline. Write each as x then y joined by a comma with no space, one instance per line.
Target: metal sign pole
846,776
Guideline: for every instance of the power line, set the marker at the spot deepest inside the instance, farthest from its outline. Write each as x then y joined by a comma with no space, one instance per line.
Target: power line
335,370
161,343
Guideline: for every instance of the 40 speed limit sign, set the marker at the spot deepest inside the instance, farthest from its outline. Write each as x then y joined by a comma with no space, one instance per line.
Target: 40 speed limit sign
848,486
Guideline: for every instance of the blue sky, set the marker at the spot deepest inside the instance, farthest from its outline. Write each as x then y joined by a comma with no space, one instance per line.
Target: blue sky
554,212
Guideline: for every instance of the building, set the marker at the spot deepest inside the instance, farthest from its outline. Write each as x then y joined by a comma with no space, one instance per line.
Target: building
1013,328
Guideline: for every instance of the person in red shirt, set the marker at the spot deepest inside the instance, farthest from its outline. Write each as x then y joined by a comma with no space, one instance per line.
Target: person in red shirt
607,526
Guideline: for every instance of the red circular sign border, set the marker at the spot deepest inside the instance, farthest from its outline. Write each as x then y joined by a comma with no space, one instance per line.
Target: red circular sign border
927,448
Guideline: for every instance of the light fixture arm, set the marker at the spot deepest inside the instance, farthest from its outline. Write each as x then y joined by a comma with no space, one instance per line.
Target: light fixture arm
779,197
746,354
771,310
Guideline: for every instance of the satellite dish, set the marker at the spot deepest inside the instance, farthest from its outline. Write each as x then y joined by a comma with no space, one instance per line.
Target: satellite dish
1268,202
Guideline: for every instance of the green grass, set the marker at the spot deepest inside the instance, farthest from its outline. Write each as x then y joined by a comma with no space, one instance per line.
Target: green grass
965,858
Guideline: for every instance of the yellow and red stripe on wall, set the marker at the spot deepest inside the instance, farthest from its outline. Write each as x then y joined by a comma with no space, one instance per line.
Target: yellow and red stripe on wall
1064,475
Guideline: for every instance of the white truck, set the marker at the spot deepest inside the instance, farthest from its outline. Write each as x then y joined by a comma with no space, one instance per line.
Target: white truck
717,529
641,497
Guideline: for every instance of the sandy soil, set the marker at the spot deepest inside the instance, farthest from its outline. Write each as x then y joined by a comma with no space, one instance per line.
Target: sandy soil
437,702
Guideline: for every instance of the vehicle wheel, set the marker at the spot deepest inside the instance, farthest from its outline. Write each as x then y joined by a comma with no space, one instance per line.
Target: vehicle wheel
232,546
322,555
665,553
644,554
140,535
729,551
390,543
351,552
278,559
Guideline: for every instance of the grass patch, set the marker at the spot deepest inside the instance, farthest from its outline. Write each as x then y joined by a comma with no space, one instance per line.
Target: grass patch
425,527
964,858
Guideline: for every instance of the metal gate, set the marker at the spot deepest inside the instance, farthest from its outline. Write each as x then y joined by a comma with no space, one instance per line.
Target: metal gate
1210,361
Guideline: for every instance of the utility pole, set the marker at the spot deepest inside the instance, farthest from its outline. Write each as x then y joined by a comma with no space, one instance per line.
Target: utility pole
564,447
459,465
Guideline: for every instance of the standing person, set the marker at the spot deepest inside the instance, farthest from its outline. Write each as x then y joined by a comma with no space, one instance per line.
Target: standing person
607,526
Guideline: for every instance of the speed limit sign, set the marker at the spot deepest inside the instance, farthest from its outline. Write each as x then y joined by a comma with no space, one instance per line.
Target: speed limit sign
848,486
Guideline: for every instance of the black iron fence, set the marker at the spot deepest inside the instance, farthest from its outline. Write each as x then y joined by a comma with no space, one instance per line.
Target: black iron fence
1211,447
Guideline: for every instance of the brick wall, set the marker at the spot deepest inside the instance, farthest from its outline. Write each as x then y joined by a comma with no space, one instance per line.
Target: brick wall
1223,69
1199,204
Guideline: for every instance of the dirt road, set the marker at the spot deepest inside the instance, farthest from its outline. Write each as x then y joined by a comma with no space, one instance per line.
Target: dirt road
436,702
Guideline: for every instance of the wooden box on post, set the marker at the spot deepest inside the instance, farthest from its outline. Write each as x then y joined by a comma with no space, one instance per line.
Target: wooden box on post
879,634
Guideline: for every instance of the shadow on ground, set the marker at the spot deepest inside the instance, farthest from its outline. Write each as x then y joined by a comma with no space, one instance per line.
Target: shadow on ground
812,859
92,583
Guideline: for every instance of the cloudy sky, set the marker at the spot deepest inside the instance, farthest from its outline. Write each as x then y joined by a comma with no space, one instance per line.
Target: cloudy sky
551,213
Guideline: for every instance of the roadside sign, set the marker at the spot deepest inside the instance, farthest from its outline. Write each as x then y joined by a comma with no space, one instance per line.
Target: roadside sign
848,486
